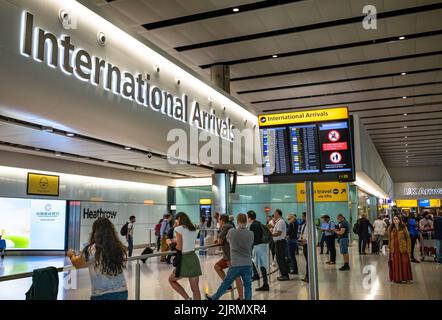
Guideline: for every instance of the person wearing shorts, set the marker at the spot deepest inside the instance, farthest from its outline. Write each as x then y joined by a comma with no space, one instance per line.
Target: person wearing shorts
224,262
343,231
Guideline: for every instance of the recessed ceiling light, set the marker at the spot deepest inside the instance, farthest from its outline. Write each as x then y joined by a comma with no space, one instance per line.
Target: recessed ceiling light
105,161
37,149
406,144
70,134
406,150
403,73
405,137
58,154
406,157
401,38
235,9
275,56
404,97
405,114
405,127
127,148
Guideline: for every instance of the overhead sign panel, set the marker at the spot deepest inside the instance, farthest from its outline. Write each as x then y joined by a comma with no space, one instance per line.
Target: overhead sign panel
307,146
303,116
43,184
406,203
324,192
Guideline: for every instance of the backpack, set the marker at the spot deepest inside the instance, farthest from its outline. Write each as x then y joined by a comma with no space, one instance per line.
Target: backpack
124,229
356,227
157,229
266,234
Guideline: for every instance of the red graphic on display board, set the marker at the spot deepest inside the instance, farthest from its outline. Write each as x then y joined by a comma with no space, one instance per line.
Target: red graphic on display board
334,146
334,136
335,157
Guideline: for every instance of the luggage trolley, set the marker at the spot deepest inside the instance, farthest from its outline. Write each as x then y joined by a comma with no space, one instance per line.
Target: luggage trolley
428,245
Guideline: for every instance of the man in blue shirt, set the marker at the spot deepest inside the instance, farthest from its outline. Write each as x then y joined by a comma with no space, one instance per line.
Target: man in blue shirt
329,227
2,247
342,231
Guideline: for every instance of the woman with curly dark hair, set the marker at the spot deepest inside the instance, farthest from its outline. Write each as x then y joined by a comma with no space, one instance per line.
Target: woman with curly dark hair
105,257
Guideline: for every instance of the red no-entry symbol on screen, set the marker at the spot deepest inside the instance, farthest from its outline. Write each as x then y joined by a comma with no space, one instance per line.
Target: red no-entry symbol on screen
334,136
335,157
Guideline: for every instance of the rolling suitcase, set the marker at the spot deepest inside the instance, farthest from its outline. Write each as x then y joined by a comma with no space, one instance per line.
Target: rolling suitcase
375,247
148,250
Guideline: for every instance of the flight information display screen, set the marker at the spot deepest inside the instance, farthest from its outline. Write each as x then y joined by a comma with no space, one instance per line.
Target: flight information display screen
304,148
275,151
320,150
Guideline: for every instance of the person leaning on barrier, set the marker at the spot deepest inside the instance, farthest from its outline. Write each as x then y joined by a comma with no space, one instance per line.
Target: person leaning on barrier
224,262
342,231
187,264
241,243
105,257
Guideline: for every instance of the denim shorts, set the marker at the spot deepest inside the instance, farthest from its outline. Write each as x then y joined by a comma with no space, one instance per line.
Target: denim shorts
343,245
122,295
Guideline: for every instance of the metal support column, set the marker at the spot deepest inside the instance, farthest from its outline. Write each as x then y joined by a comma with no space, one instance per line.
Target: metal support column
311,242
137,280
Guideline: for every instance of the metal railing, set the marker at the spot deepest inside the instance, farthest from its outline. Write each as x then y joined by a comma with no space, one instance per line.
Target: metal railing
135,258
138,269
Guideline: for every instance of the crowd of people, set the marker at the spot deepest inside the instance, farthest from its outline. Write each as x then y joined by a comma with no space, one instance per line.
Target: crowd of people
245,249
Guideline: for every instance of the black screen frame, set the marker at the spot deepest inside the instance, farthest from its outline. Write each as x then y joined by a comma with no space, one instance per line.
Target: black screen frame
344,176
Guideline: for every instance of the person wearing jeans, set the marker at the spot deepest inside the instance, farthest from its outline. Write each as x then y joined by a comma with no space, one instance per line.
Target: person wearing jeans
130,235
241,244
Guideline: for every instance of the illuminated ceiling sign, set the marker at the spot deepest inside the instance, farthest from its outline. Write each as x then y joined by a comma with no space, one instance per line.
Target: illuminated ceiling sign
406,203
303,116
62,53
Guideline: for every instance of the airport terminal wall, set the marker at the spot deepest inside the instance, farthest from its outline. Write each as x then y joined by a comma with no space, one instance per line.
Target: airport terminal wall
90,198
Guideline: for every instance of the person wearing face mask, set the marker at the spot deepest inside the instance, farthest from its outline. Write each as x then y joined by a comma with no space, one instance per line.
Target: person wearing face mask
399,245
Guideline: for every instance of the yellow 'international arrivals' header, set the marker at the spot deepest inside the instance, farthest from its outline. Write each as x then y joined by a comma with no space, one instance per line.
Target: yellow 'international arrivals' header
303,116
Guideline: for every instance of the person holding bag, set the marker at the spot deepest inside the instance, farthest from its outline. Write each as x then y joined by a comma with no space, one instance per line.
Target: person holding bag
399,245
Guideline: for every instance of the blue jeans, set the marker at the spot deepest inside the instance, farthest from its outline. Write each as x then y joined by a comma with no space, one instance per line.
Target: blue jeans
111,296
245,272
439,251
293,244
130,245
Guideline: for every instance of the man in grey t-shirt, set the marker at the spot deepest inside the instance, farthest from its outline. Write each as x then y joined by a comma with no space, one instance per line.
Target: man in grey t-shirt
241,244
224,262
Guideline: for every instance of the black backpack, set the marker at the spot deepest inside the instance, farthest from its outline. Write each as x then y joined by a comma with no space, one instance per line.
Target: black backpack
356,228
124,229
266,234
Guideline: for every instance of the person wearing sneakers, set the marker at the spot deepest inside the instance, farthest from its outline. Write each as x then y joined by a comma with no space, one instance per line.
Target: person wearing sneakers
342,231
241,244
330,238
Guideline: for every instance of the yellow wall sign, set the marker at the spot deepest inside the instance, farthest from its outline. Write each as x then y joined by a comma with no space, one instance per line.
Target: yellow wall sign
434,203
324,191
406,203
303,116
43,184
205,201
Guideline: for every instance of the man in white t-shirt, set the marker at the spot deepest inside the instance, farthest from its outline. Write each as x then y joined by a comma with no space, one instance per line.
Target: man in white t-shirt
279,234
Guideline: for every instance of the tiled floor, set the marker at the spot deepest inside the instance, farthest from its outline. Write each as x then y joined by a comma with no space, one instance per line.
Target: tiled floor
333,284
